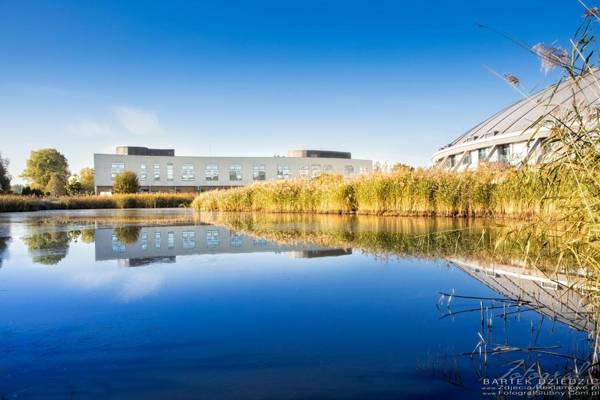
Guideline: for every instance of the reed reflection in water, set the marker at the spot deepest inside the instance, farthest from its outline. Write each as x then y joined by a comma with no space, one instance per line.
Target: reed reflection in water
352,270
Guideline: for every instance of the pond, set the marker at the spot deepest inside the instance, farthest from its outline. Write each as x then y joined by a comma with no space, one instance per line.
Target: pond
156,304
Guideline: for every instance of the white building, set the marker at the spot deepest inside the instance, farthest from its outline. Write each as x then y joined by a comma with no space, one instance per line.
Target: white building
517,133
159,170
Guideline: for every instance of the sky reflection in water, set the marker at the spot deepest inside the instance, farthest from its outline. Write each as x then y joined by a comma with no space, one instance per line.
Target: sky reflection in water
213,307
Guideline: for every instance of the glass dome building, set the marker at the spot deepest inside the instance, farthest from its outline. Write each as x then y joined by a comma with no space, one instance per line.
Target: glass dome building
516,134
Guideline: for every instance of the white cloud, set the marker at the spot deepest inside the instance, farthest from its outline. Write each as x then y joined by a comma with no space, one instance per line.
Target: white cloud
138,121
139,285
89,128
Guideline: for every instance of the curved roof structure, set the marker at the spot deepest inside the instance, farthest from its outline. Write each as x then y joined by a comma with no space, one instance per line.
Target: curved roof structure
520,121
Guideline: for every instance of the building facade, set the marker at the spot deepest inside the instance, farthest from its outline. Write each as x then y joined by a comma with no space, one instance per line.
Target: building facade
159,170
518,133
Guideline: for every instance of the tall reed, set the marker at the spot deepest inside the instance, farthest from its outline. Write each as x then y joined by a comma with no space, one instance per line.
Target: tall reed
491,191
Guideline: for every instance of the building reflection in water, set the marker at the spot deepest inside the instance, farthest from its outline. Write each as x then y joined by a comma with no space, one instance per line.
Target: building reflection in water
4,240
560,297
137,246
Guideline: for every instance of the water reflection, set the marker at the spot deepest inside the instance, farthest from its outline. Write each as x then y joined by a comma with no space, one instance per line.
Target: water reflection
528,278
48,248
4,241
380,302
137,245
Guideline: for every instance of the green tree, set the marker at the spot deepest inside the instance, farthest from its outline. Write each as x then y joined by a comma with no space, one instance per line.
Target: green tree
57,185
88,235
86,178
126,182
47,248
27,191
74,187
4,176
127,234
42,164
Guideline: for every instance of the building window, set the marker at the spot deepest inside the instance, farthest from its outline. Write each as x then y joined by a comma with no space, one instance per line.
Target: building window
171,240
212,172
236,240
503,153
189,239
363,170
453,161
327,168
259,173
304,171
315,170
348,169
157,172
212,238
144,241
466,158
283,172
157,240
187,172
169,172
235,172
143,172
116,169
117,246
482,154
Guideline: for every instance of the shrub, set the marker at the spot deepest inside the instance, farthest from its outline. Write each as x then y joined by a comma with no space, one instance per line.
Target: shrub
126,182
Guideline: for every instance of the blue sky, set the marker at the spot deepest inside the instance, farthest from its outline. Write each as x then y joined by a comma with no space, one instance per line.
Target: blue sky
387,80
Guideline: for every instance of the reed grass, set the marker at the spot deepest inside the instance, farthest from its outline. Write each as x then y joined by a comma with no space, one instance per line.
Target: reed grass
490,191
12,203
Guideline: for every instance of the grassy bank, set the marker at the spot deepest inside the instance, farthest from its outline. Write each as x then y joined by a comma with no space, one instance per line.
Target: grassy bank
488,192
9,203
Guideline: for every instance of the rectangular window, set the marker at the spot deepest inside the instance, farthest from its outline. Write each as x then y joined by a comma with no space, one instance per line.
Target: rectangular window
363,170
170,240
466,158
453,161
503,153
260,242
235,172
212,172
259,174
189,239
169,172
304,171
187,172
482,154
117,246
157,172
348,169
212,238
143,172
157,240
144,241
236,240
116,168
283,172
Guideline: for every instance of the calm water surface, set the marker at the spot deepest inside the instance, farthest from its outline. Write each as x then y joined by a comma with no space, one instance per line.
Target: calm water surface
167,304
